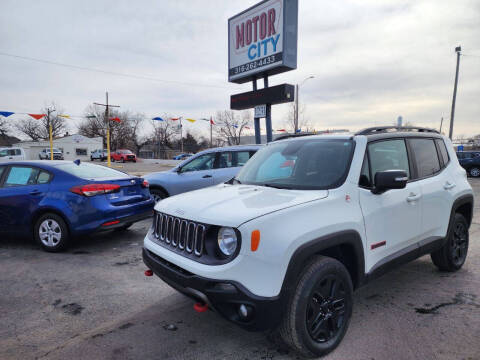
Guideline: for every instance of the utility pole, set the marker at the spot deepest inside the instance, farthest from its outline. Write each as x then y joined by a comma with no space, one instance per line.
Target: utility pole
295,116
181,133
108,126
441,123
458,50
50,132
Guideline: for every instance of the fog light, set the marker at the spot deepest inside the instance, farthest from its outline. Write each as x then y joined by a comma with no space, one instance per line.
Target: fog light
244,311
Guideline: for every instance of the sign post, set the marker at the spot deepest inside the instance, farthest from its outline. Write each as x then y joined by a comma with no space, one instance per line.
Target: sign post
262,41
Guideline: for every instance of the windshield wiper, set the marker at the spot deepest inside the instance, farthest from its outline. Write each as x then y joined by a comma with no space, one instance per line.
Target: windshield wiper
277,186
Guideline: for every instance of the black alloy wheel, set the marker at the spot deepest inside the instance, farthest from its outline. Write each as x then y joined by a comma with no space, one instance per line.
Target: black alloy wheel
319,309
326,309
459,244
452,255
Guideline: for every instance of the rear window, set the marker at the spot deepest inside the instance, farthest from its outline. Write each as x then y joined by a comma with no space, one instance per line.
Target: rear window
443,151
426,157
91,171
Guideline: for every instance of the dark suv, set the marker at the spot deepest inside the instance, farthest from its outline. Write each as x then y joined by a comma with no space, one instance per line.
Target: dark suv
470,161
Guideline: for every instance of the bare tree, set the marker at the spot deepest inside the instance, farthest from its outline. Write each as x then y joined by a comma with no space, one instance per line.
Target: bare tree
290,117
3,127
230,125
123,134
162,136
39,129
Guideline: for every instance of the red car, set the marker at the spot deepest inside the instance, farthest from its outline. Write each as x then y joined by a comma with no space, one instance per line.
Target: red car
123,155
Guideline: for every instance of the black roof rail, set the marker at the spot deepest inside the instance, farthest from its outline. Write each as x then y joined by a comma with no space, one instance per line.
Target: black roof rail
288,136
384,129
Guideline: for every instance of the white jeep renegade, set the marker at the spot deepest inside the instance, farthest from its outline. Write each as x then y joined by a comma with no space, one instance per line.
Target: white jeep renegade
308,220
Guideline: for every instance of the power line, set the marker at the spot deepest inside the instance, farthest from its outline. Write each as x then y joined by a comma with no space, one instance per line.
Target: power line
141,77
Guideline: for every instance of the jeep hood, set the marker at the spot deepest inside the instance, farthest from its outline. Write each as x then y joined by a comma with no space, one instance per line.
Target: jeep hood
232,205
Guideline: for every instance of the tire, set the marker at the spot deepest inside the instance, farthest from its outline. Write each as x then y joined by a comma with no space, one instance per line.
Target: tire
91,158
474,172
452,255
124,227
319,310
51,232
158,194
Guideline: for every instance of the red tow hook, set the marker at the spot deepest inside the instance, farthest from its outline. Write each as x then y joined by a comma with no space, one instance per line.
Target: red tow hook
148,272
200,307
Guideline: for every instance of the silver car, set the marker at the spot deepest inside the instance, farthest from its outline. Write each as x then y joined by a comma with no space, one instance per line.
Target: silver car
206,168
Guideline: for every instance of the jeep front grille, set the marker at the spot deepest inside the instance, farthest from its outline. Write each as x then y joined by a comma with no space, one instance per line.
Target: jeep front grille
185,235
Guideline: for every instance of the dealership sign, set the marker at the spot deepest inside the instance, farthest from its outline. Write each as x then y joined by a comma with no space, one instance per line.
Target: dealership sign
262,40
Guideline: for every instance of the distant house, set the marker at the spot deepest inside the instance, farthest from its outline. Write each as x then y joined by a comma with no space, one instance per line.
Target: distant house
72,146
6,141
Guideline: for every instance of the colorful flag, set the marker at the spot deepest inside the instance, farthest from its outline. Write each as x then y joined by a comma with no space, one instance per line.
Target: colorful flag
211,121
158,118
235,126
37,116
281,130
298,130
116,119
247,127
65,116
191,120
175,119
6,113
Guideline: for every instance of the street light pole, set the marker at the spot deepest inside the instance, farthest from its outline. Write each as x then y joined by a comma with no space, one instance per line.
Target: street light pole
297,87
458,50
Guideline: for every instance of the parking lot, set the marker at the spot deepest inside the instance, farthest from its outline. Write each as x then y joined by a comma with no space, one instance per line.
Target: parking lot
94,302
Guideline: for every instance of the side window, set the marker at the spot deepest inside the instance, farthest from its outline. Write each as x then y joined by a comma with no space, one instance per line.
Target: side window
2,169
443,151
365,173
22,175
388,155
242,157
43,177
11,152
18,152
203,162
426,157
225,160
81,152
3,153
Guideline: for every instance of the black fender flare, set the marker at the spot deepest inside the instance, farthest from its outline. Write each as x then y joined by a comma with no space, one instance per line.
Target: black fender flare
301,256
462,200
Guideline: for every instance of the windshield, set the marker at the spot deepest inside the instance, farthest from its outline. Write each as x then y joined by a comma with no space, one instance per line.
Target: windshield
3,153
305,164
91,171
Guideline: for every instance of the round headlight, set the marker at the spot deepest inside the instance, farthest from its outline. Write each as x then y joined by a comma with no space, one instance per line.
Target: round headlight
227,240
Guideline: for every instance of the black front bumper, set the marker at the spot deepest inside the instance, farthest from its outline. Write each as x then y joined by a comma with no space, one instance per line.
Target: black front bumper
225,297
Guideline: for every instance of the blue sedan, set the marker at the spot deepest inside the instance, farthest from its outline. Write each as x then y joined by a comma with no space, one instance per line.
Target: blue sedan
206,168
59,200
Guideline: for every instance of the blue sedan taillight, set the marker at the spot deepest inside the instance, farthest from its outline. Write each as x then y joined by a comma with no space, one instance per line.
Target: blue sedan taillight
95,189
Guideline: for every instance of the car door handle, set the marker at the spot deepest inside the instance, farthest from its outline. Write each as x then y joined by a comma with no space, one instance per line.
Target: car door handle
206,176
35,192
413,197
448,185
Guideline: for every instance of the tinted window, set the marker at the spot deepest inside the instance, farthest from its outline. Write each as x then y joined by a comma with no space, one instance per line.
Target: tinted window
242,157
443,151
203,162
91,171
426,157
225,160
388,155
81,152
302,164
3,153
22,175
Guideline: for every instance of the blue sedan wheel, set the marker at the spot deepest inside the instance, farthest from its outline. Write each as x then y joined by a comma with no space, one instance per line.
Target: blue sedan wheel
51,232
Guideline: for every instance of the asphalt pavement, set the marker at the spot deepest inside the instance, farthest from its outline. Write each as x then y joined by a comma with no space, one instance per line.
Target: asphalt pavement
94,302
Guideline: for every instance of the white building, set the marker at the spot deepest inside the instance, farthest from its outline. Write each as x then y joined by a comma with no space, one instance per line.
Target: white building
73,147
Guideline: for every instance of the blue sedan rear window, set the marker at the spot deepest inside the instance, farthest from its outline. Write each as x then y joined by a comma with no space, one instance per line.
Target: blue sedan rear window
91,171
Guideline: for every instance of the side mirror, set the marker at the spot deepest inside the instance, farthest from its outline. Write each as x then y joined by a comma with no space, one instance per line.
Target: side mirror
178,170
390,179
